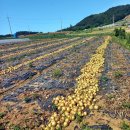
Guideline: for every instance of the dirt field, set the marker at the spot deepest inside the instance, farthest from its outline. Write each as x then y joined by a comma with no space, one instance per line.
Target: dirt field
33,73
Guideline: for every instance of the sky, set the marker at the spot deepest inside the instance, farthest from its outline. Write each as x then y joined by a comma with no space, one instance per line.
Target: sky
49,15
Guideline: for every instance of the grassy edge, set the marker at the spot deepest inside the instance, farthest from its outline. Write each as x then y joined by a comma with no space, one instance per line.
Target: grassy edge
122,42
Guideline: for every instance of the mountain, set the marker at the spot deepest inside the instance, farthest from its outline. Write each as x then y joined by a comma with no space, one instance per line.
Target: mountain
118,13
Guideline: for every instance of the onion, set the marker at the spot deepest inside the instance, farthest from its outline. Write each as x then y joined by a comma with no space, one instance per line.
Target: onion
65,124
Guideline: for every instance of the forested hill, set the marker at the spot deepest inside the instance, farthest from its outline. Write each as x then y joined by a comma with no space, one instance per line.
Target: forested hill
104,18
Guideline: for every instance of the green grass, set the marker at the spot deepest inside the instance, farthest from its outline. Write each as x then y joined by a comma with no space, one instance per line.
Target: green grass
122,42
79,33
51,36
93,32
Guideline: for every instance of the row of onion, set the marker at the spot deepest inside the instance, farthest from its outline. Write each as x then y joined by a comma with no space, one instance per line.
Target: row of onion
36,49
23,45
13,68
84,94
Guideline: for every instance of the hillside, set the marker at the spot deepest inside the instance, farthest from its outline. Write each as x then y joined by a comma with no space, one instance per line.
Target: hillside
119,12
125,21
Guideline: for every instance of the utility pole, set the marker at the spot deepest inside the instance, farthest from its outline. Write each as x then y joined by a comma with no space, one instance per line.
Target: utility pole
9,25
113,20
29,29
61,25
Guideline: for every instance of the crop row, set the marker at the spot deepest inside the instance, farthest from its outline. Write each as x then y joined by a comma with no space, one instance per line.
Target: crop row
36,49
17,59
30,45
84,94
12,68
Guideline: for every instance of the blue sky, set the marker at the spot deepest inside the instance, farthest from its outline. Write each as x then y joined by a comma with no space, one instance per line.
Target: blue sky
46,15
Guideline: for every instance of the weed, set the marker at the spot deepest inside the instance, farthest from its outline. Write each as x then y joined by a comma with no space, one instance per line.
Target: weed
35,96
59,128
125,126
118,74
54,107
86,128
104,79
21,56
17,127
12,59
2,114
27,99
78,118
110,96
126,105
2,127
31,65
26,120
75,49
9,108
57,73
1,53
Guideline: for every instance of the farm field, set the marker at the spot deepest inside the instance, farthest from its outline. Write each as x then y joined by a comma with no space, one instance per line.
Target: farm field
77,83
